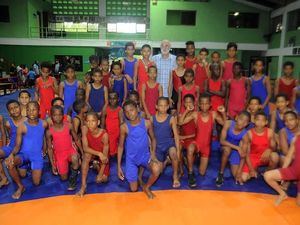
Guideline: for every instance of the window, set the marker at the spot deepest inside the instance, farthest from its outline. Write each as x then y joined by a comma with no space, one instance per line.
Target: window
243,20
130,28
293,22
276,24
180,17
4,13
74,27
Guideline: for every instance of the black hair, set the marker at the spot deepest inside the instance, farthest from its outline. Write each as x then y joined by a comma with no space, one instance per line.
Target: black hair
152,67
204,50
239,64
134,92
191,71
261,113
57,99
35,103
129,102
116,63
281,95
93,58
78,105
46,65
129,44
104,59
189,96
97,70
291,113
162,98
70,66
94,114
26,92
180,55
190,43
215,52
288,63
11,101
254,98
245,113
259,60
113,92
232,45
204,95
146,46
57,107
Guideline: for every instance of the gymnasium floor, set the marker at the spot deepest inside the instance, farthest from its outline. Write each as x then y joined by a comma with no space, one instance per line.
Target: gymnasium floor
111,203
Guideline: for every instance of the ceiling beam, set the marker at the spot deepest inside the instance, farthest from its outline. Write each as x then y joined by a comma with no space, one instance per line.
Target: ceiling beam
254,5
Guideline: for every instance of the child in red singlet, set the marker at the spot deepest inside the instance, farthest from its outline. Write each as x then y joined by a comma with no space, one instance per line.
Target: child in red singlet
215,58
151,91
228,63
188,88
45,90
290,171
259,146
141,68
204,120
201,69
95,143
238,89
286,83
105,72
190,58
61,151
187,136
215,87
112,118
176,80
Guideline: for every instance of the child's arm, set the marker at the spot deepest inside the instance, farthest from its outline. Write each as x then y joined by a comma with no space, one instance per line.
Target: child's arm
85,144
266,155
75,138
289,157
269,90
173,122
105,153
20,131
2,131
179,98
152,139
223,137
206,87
220,93
125,90
283,144
276,87
197,98
61,89
185,118
170,88
160,91
76,123
50,151
123,132
144,101
293,100
273,120
55,85
246,150
103,118
37,91
87,92
105,97
248,88
135,76
121,118
220,119
227,94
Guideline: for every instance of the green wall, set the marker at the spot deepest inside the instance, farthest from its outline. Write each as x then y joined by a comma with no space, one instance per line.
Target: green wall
211,22
295,33
275,41
273,65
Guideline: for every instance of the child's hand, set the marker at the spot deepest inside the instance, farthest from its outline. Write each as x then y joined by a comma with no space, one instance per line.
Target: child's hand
103,158
9,160
221,109
265,156
128,78
54,170
121,174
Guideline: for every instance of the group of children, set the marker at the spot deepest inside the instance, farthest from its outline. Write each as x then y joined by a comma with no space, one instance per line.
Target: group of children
89,122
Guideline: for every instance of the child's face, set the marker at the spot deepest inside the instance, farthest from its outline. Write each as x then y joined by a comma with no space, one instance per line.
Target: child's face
204,104
260,121
189,103
202,55
80,94
162,106
281,103
94,64
59,103
288,70
237,70
113,99
190,50
231,52
105,65
152,74
70,73
131,112
290,121
258,67
216,71
146,52
242,121
117,70
57,116
180,61
97,77
24,99
32,111
45,72
14,110
254,106
189,78
130,51
92,122
134,98
215,58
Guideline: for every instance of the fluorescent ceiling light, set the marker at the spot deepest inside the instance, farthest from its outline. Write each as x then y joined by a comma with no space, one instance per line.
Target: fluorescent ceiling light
126,28
236,14
112,27
140,28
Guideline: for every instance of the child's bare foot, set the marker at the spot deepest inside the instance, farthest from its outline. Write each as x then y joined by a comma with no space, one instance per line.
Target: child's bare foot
176,183
101,179
147,191
280,198
18,192
81,192
4,182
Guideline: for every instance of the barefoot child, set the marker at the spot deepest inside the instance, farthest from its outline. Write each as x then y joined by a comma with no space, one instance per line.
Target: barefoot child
61,151
296,99
128,64
167,139
11,125
231,59
79,96
28,149
96,146
190,58
201,69
151,91
259,147
188,88
231,136
118,82
105,71
24,99
277,121
134,132
112,118
254,105
68,87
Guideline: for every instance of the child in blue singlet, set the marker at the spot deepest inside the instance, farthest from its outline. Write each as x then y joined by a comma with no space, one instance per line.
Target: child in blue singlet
134,133
97,93
11,126
128,64
277,122
118,82
68,87
296,99
231,135
28,149
166,135
260,85
79,96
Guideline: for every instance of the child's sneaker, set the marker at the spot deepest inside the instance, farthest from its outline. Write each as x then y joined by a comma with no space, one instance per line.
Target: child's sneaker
219,180
192,180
